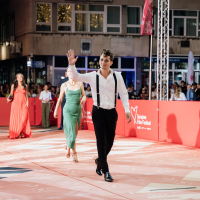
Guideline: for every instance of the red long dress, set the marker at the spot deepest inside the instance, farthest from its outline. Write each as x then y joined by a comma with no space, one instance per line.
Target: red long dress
19,115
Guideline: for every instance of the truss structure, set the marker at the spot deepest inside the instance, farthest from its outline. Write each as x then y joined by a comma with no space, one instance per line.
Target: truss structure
163,50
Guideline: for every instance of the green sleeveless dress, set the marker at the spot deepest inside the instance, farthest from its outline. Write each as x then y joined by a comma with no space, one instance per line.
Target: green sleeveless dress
71,115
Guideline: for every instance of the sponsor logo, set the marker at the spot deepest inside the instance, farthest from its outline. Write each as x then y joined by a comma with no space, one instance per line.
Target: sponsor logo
140,119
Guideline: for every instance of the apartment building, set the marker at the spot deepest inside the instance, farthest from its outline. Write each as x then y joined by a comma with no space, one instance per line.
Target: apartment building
35,37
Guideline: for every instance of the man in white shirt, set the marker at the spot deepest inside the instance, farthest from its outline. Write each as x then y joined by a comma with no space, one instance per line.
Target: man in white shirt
105,83
45,97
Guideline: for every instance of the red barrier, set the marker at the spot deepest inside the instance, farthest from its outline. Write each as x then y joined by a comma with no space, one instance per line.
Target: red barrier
31,109
86,115
38,113
144,122
5,111
120,129
179,122
59,117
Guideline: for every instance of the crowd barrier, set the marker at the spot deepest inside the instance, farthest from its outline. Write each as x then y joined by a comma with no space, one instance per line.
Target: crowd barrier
35,111
176,122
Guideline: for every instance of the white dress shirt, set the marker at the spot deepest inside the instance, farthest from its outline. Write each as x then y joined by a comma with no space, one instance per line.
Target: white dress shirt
181,98
106,87
87,92
46,96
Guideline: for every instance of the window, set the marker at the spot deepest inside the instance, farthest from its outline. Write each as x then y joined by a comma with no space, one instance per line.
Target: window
129,77
185,23
199,25
170,23
113,19
184,65
133,19
89,18
62,61
127,63
43,17
64,17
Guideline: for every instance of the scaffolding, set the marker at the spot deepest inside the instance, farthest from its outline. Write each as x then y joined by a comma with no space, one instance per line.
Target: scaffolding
163,50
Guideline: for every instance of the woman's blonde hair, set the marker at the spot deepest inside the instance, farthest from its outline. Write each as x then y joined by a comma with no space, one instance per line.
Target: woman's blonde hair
178,90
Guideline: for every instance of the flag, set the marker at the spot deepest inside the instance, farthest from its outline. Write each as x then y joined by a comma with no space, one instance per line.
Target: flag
190,73
146,28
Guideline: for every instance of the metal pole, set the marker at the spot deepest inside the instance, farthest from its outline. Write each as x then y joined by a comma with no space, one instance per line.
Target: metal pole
150,67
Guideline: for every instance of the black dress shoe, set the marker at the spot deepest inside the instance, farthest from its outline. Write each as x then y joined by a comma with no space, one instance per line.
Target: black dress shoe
98,170
60,128
108,177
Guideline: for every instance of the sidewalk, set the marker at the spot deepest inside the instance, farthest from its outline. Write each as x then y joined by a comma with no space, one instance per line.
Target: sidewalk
37,169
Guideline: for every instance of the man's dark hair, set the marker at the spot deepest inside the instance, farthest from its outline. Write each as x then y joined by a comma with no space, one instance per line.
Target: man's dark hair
194,84
107,52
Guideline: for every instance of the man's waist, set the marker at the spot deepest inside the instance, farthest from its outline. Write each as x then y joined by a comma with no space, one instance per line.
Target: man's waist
105,109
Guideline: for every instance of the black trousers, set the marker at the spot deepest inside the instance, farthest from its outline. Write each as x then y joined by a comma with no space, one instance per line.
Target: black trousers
62,105
105,122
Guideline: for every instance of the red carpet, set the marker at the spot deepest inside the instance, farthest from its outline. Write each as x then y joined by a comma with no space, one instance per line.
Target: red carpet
36,168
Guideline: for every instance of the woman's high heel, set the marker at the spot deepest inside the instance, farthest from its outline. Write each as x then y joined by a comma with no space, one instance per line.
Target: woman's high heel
75,159
68,154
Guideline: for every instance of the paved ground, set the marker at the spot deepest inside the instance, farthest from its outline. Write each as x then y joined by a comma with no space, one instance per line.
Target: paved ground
36,168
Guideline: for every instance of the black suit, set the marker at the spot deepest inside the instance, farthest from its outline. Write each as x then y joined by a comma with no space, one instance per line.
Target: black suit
64,100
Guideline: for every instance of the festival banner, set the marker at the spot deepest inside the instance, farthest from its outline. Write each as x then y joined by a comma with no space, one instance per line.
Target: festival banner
147,25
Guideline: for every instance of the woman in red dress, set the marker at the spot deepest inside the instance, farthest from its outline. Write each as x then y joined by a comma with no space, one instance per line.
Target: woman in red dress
19,115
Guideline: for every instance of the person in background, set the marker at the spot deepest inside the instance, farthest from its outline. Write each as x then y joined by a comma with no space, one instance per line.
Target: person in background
38,87
39,90
198,92
178,95
144,94
49,86
153,87
172,90
32,86
45,97
183,87
57,92
19,115
32,93
132,91
88,92
154,94
53,91
62,80
192,93
6,87
1,91
7,93
188,86
143,87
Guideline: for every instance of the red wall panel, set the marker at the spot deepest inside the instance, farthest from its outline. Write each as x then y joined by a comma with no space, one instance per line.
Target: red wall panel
144,122
120,129
179,122
4,112
31,109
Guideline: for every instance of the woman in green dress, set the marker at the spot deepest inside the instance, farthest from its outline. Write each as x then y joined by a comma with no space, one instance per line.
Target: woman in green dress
71,112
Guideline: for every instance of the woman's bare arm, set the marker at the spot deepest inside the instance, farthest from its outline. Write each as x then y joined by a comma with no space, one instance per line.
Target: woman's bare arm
12,90
83,94
60,99
26,95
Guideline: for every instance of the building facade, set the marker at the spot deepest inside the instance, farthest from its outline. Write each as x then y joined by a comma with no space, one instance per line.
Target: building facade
35,37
